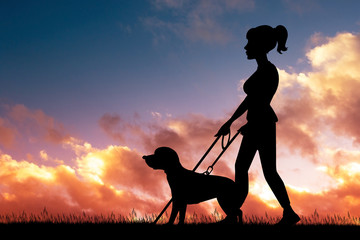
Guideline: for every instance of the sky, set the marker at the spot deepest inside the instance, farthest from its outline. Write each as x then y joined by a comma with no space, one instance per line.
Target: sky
89,87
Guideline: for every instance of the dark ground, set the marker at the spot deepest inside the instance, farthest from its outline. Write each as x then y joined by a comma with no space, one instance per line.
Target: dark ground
150,231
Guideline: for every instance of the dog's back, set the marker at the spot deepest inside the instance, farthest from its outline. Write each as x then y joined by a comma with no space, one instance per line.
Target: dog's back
194,187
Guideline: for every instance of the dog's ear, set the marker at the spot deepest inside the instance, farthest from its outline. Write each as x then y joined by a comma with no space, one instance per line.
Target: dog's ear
168,157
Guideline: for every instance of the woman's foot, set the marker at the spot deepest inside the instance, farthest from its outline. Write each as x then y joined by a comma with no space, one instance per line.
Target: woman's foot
233,219
289,218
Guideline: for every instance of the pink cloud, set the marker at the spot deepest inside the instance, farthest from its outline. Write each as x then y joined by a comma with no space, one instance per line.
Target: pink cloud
37,123
7,134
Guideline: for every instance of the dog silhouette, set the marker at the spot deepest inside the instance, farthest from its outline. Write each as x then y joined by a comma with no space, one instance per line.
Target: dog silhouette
188,187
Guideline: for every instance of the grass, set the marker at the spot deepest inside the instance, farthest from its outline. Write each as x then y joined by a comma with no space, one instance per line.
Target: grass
84,218
197,225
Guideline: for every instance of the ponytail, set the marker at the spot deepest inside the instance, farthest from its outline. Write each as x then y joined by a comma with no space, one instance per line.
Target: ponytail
281,35
267,37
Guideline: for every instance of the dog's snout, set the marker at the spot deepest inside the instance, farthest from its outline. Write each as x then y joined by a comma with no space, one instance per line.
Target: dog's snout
147,157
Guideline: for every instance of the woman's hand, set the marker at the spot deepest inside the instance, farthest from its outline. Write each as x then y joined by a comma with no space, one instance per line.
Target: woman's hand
224,130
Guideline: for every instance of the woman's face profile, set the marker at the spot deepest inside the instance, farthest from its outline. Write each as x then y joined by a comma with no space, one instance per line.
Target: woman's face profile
253,49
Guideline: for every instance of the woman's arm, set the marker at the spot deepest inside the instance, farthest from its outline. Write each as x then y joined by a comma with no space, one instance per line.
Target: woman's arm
225,129
240,110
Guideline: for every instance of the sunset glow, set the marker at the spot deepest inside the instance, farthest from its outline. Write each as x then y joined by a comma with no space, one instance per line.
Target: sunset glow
91,91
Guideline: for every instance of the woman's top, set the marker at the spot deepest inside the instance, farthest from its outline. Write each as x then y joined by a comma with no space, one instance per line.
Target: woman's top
260,89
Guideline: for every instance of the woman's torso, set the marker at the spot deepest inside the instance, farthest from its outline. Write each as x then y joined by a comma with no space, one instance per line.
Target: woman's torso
260,89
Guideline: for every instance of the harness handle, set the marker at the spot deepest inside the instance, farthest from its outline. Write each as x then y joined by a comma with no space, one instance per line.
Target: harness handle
228,140
211,167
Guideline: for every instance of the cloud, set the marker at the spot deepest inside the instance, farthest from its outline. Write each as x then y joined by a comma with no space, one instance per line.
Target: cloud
196,21
335,81
325,97
185,134
160,4
110,123
7,134
116,178
296,122
35,123
44,155
318,123
302,7
102,181
342,198
89,179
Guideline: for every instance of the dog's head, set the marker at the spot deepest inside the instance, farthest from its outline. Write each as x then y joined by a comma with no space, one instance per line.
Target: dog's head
164,158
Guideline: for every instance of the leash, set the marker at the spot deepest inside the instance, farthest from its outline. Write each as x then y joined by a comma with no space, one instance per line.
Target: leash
229,141
210,168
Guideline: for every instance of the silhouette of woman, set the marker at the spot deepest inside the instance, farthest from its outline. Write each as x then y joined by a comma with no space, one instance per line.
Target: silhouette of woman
259,133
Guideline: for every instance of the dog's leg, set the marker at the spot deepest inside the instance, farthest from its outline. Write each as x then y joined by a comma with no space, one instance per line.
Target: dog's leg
182,210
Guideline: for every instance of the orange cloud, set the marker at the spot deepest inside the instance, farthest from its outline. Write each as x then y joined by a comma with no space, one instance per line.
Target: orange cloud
328,92
102,181
324,100
116,179
342,198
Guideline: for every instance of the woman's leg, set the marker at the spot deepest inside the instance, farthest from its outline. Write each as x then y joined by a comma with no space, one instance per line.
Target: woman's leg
243,161
267,152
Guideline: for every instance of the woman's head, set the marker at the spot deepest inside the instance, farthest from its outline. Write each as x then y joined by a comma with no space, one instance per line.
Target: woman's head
263,39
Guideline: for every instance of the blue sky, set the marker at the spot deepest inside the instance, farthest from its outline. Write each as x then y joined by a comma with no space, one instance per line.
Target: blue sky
84,58
77,60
